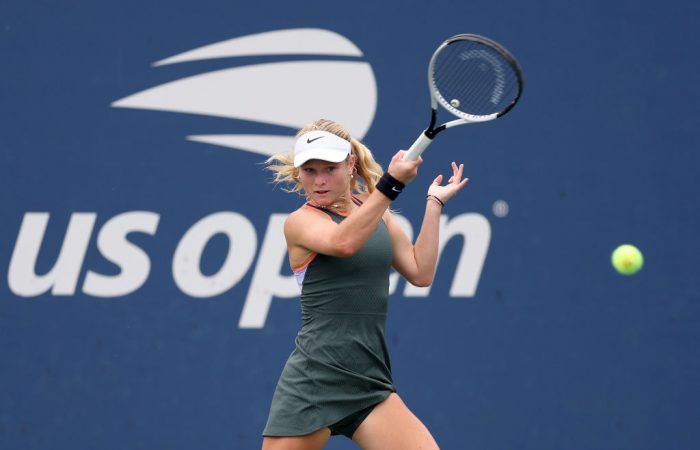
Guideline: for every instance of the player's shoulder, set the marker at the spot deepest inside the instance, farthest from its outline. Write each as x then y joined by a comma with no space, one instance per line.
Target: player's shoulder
303,214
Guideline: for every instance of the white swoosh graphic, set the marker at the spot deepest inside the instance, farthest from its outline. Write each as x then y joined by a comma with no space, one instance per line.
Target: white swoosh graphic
298,41
289,94
263,144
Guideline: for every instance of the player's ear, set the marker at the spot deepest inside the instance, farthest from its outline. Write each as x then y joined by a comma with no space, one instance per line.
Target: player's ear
352,159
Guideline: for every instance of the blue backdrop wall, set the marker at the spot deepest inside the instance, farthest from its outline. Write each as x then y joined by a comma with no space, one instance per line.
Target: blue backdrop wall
145,302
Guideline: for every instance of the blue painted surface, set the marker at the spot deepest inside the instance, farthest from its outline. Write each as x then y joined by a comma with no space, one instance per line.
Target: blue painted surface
555,350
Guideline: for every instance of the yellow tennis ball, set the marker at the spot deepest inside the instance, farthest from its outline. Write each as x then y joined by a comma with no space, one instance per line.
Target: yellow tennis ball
627,259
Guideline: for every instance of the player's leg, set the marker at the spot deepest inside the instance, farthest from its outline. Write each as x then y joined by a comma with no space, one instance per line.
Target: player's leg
392,426
313,441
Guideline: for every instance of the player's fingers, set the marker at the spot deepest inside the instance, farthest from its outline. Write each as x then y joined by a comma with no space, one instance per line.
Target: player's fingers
460,172
438,180
454,170
398,155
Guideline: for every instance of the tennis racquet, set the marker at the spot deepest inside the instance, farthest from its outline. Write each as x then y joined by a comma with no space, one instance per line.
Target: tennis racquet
472,77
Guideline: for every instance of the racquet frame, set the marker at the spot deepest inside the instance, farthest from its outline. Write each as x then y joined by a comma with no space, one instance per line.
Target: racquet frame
427,136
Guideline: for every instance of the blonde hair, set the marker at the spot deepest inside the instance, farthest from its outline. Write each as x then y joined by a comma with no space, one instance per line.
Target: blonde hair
368,170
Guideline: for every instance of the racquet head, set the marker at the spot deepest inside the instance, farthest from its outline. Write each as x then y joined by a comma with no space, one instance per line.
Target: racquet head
474,78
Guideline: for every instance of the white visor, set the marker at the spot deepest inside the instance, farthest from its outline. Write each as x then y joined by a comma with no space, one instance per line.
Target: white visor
320,145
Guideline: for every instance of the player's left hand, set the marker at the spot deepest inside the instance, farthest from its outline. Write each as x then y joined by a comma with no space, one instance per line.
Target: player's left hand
454,184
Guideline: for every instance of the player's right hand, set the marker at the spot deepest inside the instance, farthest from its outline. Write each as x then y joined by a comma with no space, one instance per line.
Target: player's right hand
403,170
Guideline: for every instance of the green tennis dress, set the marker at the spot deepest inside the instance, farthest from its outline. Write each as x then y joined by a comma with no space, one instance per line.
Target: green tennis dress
340,364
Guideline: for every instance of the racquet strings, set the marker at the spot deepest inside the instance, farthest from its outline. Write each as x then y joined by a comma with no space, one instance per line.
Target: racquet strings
475,78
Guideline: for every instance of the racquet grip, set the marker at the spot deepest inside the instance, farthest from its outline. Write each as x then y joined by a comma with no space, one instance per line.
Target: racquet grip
418,147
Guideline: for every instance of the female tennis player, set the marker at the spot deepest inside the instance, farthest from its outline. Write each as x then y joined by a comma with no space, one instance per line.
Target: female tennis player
342,244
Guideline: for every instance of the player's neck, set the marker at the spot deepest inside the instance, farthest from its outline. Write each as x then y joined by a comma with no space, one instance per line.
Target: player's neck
342,205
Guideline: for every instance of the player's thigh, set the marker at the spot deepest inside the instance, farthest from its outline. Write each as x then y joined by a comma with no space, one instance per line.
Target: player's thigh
313,441
392,426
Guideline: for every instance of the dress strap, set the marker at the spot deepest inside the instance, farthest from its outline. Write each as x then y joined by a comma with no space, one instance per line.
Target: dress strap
327,211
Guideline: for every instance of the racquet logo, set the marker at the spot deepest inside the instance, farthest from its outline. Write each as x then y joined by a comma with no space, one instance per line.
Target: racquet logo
287,93
490,62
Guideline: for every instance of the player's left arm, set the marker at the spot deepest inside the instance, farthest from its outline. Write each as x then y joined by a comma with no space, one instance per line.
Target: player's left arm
417,262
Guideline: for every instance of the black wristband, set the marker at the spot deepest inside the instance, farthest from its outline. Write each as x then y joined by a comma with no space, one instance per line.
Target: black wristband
390,186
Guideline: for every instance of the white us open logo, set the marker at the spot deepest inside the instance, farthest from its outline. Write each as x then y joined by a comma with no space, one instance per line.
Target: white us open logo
298,91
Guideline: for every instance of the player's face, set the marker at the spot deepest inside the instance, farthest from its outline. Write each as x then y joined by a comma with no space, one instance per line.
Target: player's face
325,182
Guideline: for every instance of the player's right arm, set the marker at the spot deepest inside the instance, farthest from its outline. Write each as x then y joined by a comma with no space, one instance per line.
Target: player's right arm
312,230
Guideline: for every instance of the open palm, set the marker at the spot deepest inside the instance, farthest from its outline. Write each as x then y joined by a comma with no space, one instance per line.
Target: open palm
454,184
